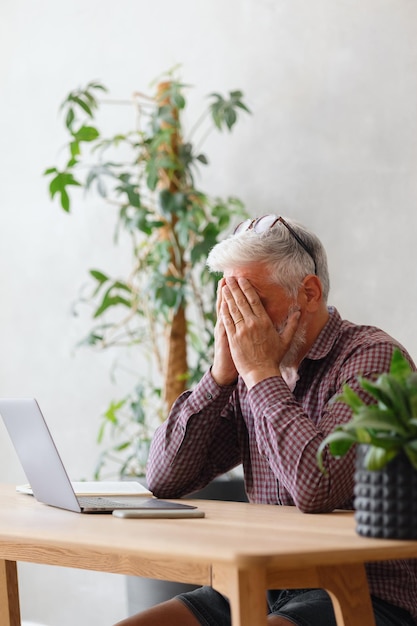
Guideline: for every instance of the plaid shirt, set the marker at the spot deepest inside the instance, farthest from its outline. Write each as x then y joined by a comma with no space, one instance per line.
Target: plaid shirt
275,432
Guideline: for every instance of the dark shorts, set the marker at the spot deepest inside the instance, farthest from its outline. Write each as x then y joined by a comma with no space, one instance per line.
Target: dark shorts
303,607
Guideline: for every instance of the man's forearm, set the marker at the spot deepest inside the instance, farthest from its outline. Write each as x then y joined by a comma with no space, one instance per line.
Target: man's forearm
196,443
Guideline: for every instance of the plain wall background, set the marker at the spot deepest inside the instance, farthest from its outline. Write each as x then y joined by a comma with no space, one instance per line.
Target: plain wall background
332,142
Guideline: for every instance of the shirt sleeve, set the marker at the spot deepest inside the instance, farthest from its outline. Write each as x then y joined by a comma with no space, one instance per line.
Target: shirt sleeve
196,443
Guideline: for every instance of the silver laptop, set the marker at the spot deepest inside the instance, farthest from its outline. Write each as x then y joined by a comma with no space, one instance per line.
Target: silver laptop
45,471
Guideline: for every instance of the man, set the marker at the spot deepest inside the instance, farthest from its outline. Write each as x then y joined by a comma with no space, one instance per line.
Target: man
281,358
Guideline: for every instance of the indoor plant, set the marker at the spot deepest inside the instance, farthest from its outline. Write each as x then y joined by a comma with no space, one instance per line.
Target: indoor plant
386,463
164,306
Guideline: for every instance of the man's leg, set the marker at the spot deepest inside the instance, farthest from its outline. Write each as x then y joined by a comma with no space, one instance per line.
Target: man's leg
175,613
170,613
311,606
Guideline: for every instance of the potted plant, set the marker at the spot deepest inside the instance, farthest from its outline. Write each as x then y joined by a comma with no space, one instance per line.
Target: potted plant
164,307
386,463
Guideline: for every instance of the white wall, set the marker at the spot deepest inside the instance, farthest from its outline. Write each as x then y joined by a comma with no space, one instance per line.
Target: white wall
332,142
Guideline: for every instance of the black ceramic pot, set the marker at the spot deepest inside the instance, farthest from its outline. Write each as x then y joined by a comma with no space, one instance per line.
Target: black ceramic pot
386,500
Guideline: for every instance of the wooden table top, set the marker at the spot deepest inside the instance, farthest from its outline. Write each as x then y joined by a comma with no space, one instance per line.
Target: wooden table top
231,533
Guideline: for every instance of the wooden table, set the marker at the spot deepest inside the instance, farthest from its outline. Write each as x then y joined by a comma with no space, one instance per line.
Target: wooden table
241,549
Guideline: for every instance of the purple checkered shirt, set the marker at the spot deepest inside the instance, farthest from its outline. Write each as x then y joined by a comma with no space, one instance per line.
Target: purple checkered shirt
275,433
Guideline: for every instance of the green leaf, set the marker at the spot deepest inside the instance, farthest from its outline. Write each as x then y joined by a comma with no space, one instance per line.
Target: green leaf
230,118
99,276
96,85
411,451
176,96
86,133
172,203
202,158
202,248
132,192
411,387
169,296
100,436
74,147
92,339
379,389
372,417
65,200
377,458
399,397
400,367
153,175
385,440
70,118
224,111
60,181
111,414
82,104
339,444
111,301
71,163
351,398
59,184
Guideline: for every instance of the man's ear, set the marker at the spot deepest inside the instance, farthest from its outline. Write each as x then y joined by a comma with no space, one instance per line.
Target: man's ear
313,292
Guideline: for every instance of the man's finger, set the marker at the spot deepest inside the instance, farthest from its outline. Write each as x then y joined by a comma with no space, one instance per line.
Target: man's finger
243,298
220,286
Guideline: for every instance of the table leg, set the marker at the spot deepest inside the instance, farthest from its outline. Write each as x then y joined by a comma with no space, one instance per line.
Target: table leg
9,594
245,589
348,588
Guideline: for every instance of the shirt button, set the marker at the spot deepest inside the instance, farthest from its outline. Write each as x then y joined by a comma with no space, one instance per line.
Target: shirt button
209,396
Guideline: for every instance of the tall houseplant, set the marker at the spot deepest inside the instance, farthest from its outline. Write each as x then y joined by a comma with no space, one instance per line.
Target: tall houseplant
164,306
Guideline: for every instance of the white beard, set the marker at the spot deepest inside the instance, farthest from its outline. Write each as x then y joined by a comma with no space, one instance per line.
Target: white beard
291,357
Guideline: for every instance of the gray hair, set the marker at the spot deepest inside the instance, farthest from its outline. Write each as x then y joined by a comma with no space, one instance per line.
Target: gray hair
286,259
